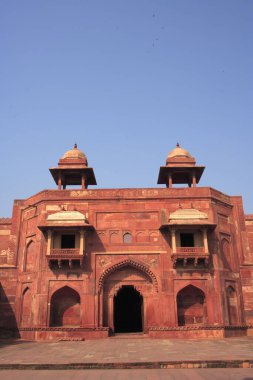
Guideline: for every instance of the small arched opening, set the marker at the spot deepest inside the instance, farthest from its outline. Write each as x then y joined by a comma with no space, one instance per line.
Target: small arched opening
191,306
127,238
65,308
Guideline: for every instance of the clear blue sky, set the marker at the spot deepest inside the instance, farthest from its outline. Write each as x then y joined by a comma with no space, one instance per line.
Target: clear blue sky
125,80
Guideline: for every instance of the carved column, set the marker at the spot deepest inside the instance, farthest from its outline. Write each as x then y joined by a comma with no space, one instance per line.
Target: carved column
49,241
82,242
173,240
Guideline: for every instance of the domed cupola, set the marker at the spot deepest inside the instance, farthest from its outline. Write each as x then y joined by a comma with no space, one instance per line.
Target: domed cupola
73,169
178,152
74,155
180,168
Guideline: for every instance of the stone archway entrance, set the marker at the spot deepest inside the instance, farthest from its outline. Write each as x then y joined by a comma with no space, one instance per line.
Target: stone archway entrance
127,293
128,310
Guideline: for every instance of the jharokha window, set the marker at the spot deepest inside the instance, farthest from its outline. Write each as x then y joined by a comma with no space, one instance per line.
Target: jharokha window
67,241
187,239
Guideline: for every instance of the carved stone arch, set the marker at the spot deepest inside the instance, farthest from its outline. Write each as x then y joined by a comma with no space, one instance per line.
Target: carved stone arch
64,285
127,237
115,237
25,290
189,284
141,237
29,242
128,262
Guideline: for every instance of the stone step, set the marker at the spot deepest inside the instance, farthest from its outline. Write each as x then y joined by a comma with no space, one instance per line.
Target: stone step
128,335
185,364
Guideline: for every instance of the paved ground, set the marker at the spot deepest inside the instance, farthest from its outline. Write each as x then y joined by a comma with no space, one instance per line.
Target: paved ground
118,350
141,374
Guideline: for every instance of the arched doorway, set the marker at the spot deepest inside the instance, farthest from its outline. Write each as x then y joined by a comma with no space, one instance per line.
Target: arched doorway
128,310
65,308
126,286
191,306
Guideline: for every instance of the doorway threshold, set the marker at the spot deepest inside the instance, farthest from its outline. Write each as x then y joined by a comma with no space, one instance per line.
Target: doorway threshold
129,335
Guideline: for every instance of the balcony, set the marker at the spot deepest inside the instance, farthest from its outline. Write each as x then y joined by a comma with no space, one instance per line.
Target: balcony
63,256
190,256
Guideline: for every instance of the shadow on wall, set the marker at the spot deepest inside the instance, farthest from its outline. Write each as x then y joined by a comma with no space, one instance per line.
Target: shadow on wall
8,322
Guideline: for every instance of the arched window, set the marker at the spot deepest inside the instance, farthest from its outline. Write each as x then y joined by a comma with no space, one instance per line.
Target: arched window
191,308
115,237
140,237
26,307
65,308
127,238
154,237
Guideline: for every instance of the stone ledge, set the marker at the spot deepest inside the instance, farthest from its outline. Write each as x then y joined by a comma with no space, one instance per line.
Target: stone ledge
63,329
192,327
189,364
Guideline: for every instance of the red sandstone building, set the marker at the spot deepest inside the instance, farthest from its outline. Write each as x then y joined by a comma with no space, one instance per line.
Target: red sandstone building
84,263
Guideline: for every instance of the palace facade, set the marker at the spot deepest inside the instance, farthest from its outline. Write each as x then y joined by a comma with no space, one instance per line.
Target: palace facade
79,263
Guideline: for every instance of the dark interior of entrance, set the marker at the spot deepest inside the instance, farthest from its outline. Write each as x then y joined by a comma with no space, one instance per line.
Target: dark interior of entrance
128,310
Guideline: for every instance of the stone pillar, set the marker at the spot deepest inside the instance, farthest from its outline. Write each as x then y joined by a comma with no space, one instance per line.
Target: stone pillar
82,242
100,308
111,312
205,240
49,241
59,181
173,240
170,180
194,181
83,181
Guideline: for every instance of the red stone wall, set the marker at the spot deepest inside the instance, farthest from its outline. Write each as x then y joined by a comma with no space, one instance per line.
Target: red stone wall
247,271
126,246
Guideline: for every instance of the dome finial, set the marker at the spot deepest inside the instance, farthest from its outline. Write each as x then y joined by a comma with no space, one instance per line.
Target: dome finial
75,146
178,144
